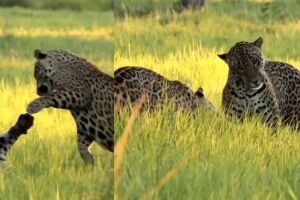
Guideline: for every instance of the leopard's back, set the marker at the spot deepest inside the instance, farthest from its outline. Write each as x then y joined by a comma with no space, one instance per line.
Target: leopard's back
286,82
133,83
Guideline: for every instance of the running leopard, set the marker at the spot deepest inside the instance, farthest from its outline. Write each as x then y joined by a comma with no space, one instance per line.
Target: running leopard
67,81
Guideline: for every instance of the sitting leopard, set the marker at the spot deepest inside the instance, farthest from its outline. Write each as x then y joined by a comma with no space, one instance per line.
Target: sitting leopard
131,83
8,139
267,88
67,81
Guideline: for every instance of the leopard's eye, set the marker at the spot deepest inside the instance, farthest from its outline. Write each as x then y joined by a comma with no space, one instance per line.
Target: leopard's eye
234,64
255,61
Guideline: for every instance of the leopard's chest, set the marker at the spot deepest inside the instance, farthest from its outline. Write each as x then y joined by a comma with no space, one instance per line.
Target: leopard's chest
242,100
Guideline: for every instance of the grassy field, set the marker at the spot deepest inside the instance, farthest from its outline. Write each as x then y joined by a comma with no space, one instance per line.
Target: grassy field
78,5
45,163
178,157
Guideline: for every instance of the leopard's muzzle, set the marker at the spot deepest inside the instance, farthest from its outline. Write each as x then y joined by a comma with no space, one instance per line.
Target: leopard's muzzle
45,88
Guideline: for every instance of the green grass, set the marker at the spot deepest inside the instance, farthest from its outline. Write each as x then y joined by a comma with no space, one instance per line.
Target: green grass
226,159
264,9
45,164
77,5
90,35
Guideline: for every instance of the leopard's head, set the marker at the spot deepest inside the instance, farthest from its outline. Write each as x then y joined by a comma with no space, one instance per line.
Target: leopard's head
44,69
203,101
246,63
47,65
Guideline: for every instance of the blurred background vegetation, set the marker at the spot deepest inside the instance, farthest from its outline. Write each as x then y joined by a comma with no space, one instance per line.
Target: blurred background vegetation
81,26
78,5
264,9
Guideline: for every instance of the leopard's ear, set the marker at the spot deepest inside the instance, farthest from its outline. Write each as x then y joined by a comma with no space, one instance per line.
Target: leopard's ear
223,56
199,92
38,54
258,42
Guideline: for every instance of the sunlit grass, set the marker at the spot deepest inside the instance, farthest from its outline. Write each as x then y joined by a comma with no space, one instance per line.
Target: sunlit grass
229,159
14,62
45,163
79,32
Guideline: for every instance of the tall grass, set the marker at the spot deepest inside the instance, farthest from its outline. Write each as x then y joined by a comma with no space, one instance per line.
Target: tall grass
45,163
229,159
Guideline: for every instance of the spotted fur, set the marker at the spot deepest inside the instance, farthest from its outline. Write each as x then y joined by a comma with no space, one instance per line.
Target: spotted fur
131,83
67,81
8,139
267,88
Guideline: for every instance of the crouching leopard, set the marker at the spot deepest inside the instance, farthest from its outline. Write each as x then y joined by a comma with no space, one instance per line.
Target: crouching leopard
67,81
268,88
131,83
9,138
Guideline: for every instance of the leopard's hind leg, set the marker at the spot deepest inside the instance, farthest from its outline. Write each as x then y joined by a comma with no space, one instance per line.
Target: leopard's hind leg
84,141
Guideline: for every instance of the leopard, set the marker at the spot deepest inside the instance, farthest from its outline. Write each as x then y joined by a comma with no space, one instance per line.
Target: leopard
255,86
134,82
68,81
9,138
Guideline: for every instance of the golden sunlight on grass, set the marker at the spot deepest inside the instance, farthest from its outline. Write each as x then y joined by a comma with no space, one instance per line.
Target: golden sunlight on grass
120,147
13,102
48,154
168,176
238,160
104,33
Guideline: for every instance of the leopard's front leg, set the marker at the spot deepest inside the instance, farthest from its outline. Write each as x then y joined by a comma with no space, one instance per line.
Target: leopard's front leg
38,104
64,100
